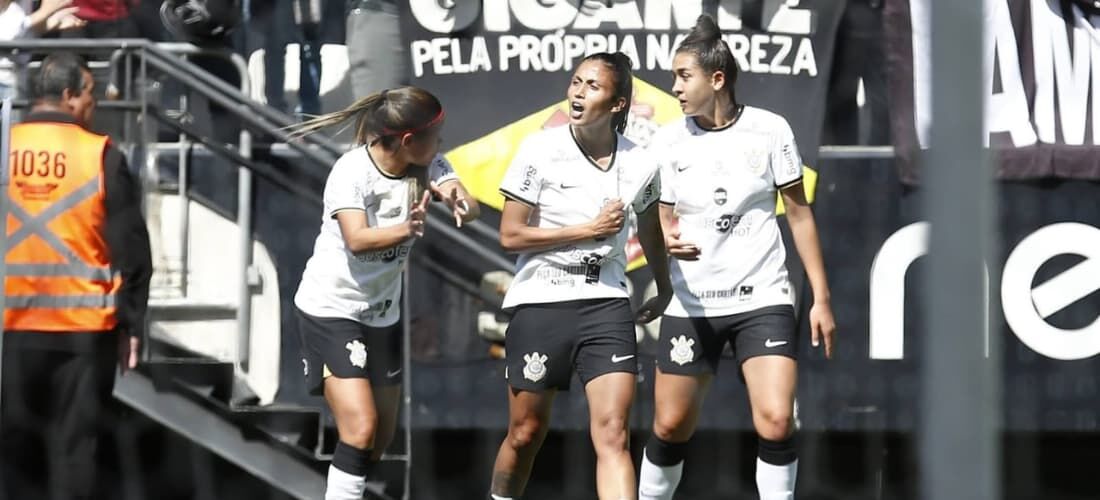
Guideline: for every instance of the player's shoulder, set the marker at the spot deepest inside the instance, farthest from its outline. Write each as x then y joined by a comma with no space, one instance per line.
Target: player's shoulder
549,139
351,159
763,120
671,133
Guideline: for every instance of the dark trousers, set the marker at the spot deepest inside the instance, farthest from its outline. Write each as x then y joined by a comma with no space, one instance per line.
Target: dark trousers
52,410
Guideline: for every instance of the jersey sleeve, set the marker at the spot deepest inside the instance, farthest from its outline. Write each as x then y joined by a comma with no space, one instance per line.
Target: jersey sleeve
344,190
522,181
649,194
785,162
665,170
441,170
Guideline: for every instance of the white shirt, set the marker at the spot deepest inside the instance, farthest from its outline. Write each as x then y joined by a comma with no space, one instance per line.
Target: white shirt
13,26
551,174
722,184
364,287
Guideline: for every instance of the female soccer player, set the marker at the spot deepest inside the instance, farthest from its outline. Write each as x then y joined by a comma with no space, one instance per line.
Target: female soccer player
565,196
349,297
720,169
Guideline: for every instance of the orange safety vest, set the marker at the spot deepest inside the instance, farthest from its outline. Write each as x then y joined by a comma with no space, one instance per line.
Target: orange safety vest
59,276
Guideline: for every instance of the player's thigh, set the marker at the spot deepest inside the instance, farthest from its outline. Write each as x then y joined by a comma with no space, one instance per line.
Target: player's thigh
607,342
766,344
539,347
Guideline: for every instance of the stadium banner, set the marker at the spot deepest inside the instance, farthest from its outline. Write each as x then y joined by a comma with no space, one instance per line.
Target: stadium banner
1044,299
1042,113
501,67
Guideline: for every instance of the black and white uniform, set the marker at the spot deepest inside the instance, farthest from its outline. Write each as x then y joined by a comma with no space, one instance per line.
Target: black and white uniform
571,304
723,184
349,305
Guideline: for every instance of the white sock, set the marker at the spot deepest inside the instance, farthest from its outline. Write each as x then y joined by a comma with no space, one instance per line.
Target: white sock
776,482
498,497
344,486
656,482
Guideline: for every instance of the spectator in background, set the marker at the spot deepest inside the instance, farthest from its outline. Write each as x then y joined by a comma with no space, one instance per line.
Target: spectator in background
376,56
15,24
306,32
858,56
105,19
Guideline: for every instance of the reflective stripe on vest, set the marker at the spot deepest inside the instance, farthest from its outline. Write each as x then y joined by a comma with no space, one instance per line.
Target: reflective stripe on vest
59,301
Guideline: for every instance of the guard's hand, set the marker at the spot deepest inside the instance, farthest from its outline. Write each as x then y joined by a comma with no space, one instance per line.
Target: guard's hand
610,220
129,348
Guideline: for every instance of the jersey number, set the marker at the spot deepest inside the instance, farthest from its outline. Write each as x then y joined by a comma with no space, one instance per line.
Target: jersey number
26,163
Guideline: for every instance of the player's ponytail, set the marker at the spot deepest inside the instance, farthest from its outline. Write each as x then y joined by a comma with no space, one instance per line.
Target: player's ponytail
706,44
620,64
383,116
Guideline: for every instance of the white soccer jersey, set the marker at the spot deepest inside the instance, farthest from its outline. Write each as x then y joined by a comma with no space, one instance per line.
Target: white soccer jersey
722,184
551,174
364,287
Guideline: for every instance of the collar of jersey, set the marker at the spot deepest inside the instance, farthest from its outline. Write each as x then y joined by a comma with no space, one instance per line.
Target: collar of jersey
736,118
614,151
379,169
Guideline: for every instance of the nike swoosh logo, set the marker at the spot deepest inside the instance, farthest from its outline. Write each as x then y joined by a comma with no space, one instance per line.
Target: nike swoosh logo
393,373
563,186
617,359
774,343
681,169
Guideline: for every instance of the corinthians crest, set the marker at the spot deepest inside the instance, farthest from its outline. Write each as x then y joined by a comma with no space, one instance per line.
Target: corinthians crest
682,352
535,369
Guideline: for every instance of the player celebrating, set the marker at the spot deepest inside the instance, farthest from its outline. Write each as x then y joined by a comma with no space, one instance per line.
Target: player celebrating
349,297
720,169
563,214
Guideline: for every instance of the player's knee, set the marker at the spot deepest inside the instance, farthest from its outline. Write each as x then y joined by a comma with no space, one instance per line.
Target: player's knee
610,433
359,430
671,428
525,432
774,424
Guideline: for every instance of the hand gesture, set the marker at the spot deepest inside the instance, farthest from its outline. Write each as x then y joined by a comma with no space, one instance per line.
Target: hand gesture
417,214
458,205
610,220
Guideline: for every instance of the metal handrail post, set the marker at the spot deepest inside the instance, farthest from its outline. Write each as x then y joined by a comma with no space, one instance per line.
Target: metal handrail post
5,166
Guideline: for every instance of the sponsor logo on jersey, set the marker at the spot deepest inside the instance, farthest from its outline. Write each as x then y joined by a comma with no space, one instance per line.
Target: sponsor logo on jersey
744,293
387,255
720,196
530,175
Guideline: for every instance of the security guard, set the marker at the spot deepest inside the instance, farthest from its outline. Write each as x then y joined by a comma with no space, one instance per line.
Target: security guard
78,269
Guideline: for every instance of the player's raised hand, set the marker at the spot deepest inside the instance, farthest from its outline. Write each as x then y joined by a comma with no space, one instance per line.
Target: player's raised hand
417,215
610,220
454,200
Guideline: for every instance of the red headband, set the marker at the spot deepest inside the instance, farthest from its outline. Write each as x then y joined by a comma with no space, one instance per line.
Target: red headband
431,123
